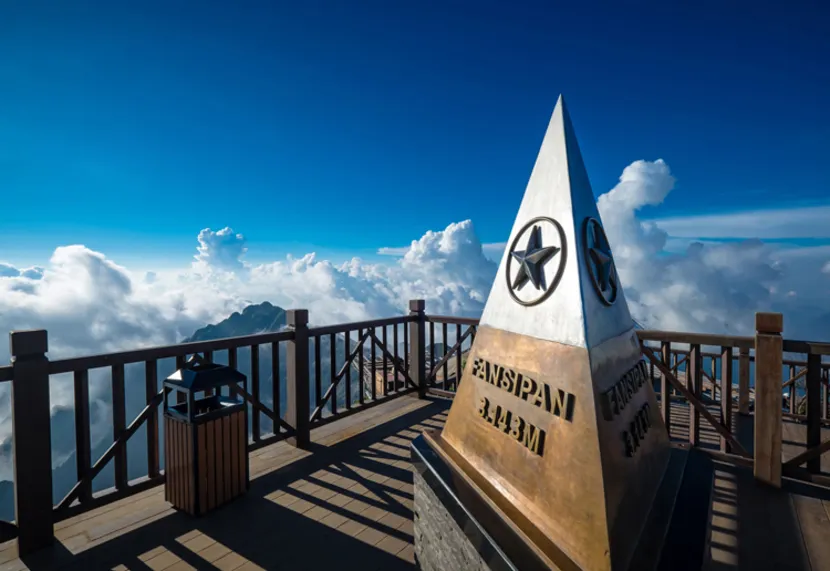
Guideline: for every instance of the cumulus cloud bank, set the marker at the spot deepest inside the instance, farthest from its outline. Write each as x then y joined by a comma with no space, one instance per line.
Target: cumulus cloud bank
91,304
713,287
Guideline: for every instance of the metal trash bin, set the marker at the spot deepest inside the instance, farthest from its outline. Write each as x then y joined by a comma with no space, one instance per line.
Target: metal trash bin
205,438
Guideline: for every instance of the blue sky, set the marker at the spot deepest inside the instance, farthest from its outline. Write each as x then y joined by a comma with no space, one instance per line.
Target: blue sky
343,127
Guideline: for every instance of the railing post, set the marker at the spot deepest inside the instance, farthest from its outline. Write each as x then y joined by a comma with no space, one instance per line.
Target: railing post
768,405
743,380
298,407
417,346
813,411
31,421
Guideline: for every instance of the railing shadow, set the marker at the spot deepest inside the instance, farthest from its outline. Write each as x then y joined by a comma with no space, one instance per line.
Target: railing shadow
755,526
345,506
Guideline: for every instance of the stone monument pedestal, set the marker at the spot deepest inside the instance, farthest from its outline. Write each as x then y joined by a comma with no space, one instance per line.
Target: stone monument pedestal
458,528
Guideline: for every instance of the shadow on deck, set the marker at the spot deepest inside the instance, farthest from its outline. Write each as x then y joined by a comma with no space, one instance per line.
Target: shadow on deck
346,504
751,525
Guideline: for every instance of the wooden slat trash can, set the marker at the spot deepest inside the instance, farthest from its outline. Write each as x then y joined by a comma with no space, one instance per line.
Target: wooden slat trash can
205,438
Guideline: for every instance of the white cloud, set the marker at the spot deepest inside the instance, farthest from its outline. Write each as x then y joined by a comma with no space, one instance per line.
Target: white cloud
223,249
9,271
782,223
491,250
707,287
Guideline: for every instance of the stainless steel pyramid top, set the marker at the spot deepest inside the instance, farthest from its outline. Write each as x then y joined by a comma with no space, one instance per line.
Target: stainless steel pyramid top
557,280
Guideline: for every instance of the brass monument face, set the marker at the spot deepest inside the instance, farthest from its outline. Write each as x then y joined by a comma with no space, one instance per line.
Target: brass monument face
554,417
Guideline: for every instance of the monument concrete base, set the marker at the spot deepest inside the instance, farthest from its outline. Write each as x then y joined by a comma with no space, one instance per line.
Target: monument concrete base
458,529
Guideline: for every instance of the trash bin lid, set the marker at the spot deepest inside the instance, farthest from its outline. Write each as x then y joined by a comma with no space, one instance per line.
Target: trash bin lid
200,375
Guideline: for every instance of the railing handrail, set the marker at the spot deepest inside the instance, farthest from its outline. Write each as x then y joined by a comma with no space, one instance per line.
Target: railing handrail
72,364
704,339
352,326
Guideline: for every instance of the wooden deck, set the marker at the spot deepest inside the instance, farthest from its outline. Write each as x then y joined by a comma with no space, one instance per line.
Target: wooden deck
347,504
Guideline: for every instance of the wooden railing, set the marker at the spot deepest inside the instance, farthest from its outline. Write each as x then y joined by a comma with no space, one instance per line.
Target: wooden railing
701,392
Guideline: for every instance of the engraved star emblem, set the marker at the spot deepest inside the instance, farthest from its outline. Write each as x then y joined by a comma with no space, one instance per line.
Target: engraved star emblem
532,259
603,269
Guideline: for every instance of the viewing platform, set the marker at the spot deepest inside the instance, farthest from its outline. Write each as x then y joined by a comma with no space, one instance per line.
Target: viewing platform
330,465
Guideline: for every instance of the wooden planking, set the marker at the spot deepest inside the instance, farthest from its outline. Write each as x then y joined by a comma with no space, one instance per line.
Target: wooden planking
814,520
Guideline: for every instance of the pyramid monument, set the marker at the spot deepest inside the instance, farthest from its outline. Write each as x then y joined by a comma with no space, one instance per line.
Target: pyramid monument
555,421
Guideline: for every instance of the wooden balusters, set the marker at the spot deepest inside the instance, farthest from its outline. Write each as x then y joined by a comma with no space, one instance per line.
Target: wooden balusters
458,354
83,446
232,360
361,368
254,411
385,364
665,385
417,341
318,372
276,386
694,382
743,381
333,371
431,349
725,393
793,396
373,369
150,391
445,344
398,384
119,424
208,355
348,374
814,392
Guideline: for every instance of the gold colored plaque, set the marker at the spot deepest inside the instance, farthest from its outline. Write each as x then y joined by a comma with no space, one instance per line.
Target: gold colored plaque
580,481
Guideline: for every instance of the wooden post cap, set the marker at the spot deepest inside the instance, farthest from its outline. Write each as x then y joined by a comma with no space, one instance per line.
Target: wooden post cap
417,305
296,317
769,323
28,343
